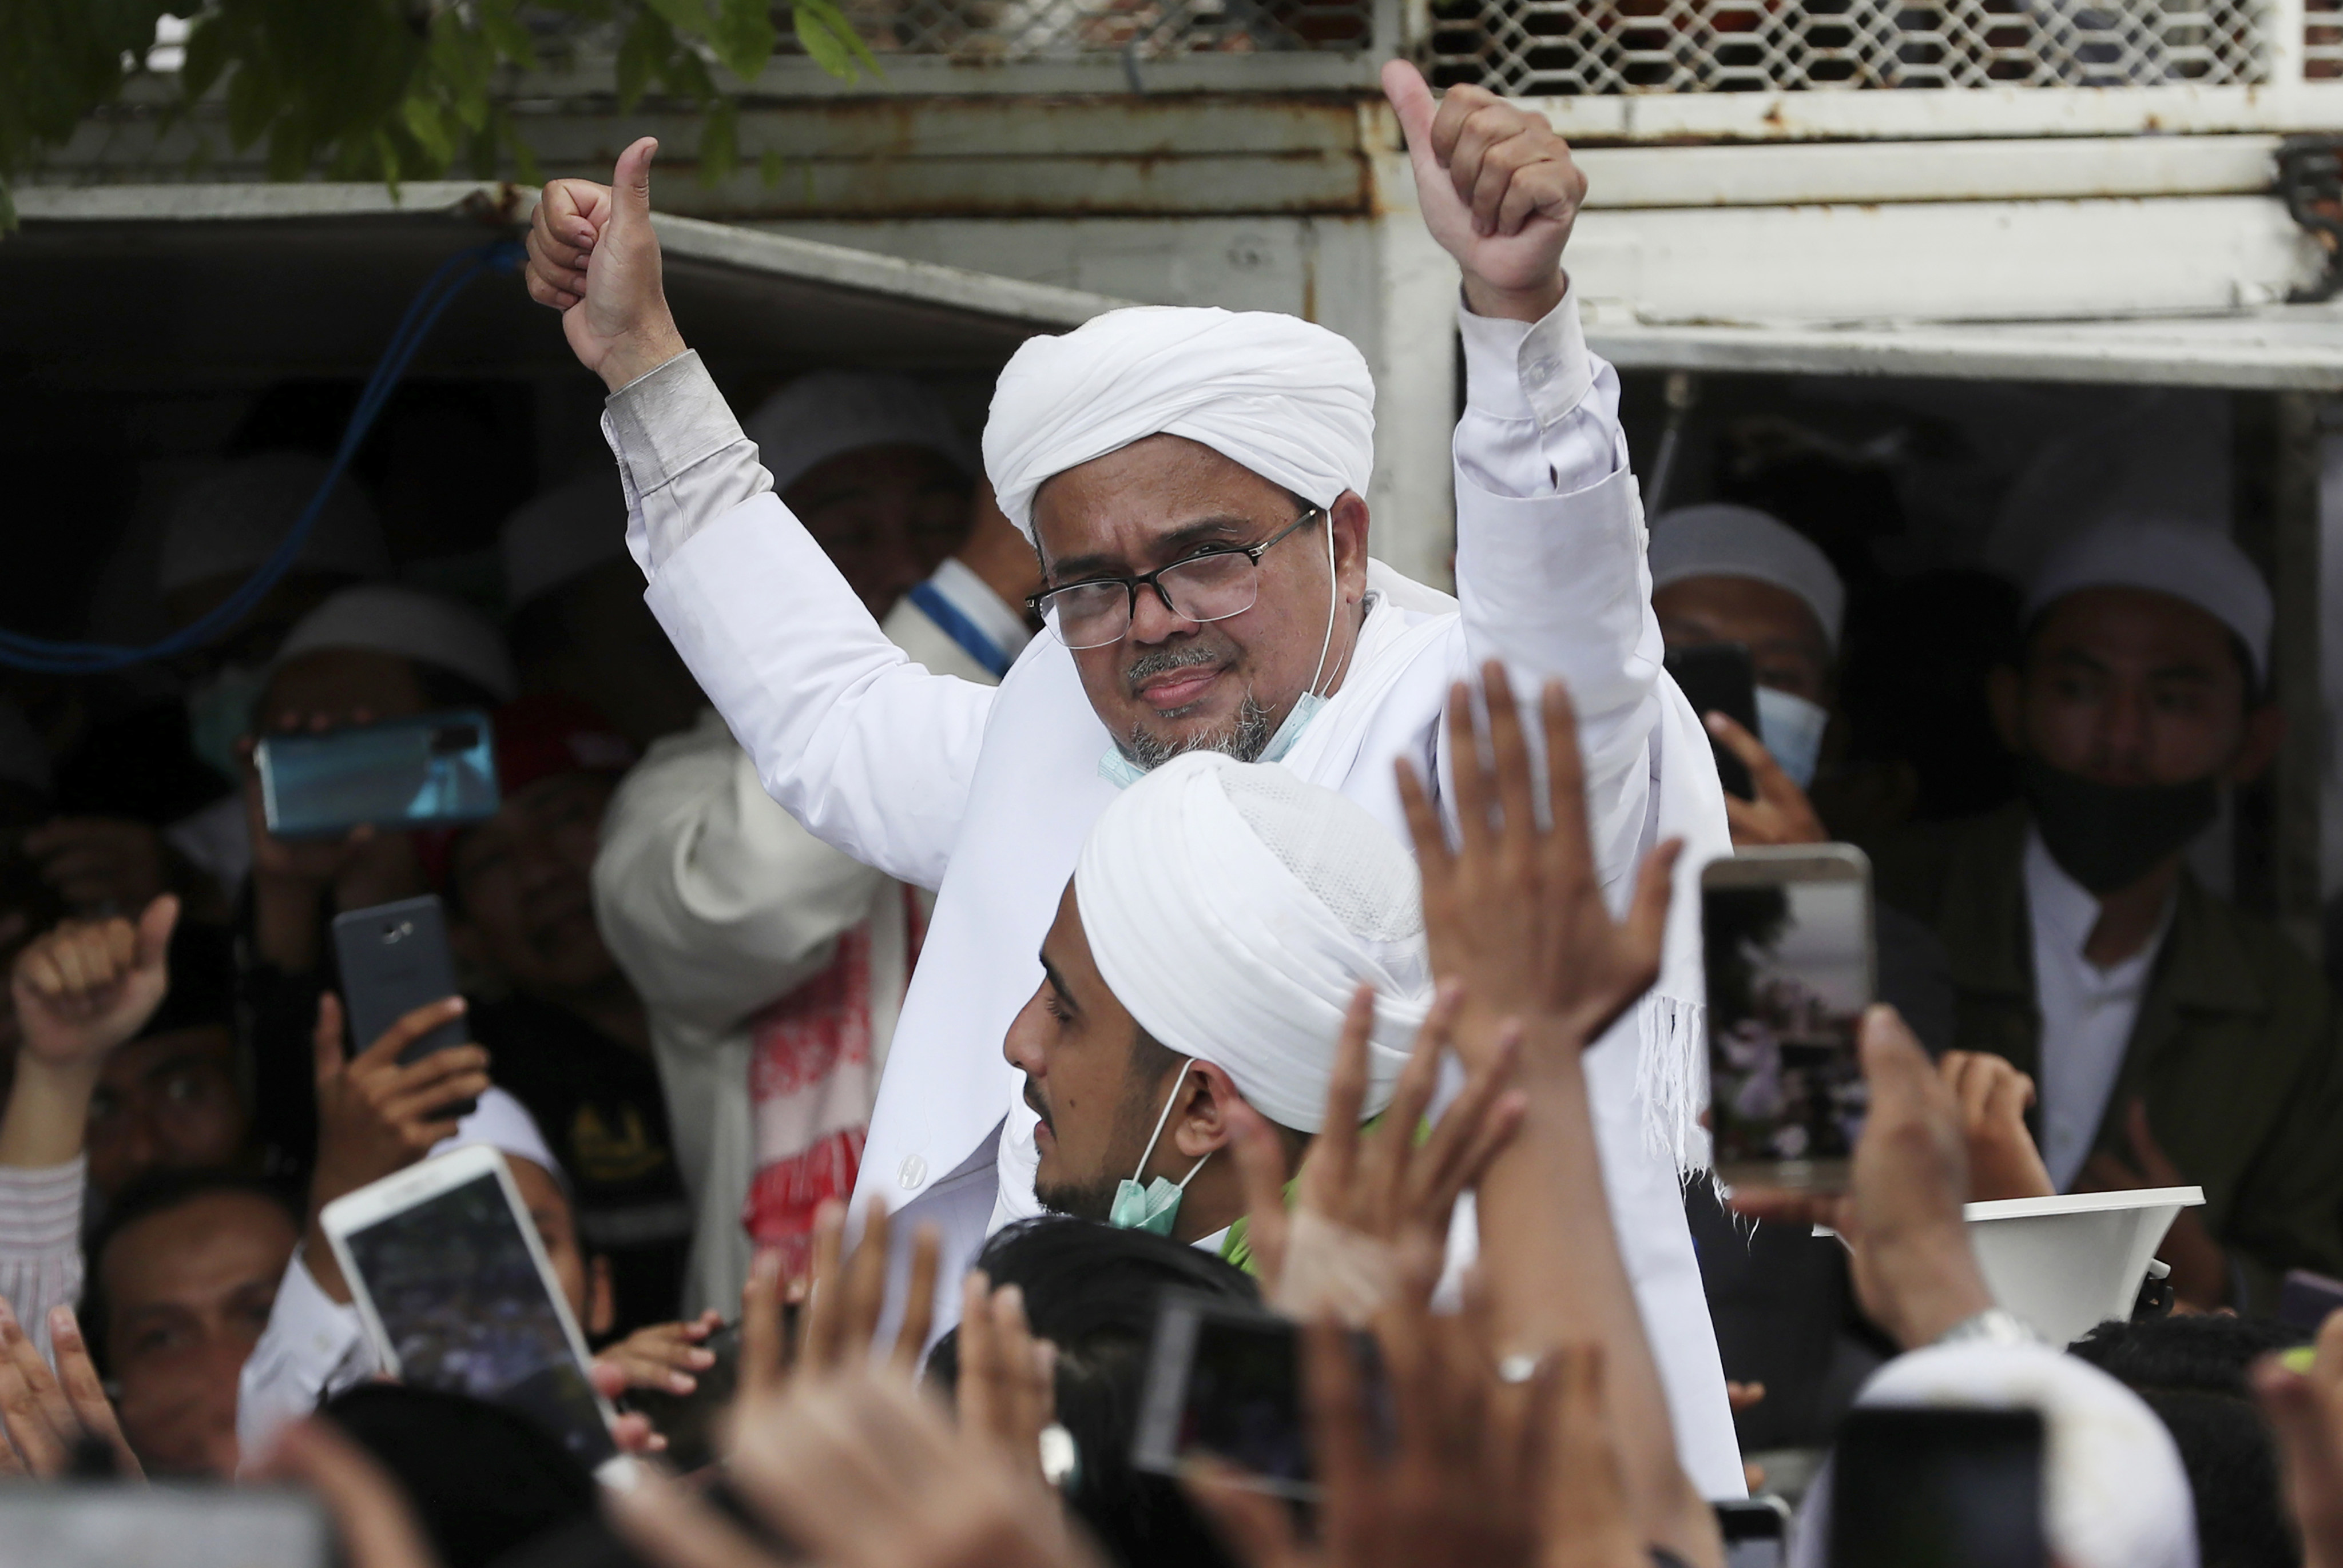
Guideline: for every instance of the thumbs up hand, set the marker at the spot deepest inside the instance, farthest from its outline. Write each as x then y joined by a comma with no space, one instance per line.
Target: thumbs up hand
592,255
1497,187
87,986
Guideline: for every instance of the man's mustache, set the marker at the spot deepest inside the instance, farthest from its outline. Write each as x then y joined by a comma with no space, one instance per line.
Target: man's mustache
1190,651
1033,1101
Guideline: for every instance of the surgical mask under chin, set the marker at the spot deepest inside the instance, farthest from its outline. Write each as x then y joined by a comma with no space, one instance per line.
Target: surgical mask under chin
1154,1207
219,714
1791,728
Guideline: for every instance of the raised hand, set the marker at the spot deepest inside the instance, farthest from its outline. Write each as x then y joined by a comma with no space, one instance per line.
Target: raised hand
87,986
46,1414
2304,1402
592,255
1993,1097
1515,912
1372,1206
79,992
1915,1274
1780,814
1497,187
838,1304
377,1115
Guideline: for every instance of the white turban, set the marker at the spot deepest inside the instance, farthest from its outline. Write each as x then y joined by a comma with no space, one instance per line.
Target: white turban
2115,1493
1287,400
829,413
233,519
1233,907
1723,541
382,617
503,1123
563,533
2187,560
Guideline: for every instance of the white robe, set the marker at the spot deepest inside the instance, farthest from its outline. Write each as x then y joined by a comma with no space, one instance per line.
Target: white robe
985,795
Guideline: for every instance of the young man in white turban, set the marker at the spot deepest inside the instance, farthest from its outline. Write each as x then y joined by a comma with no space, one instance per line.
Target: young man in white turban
1193,482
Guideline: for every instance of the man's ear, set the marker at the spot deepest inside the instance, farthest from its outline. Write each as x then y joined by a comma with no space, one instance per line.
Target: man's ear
1350,514
1200,1121
2257,747
2004,692
601,1299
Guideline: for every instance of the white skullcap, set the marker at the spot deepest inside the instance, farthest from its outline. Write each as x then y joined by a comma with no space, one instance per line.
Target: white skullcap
2185,560
1233,907
562,533
2114,1494
23,755
816,418
232,520
502,1122
382,617
1291,401
1724,541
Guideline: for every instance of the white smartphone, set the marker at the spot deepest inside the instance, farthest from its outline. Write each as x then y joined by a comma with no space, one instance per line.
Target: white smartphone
455,1292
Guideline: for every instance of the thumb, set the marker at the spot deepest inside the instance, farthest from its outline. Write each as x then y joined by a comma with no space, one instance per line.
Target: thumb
154,928
631,183
326,1040
1411,101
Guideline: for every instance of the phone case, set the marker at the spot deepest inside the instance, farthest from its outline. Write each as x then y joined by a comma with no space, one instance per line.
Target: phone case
436,770
393,959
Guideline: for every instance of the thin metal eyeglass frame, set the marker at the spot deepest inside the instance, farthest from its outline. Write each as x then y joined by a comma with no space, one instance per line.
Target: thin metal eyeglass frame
1038,604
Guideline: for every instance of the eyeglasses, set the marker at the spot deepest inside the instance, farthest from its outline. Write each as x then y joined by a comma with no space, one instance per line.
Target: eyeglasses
1214,586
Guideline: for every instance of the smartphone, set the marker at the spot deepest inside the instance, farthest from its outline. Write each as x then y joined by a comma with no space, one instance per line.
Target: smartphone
1786,935
454,1289
394,958
1920,1488
1225,1378
2305,1300
1719,677
434,770
1754,1532
113,1524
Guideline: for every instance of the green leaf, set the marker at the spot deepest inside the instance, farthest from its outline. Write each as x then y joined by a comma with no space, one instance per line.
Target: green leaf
688,17
525,169
830,40
720,143
507,31
769,166
744,36
249,106
422,119
207,52
647,44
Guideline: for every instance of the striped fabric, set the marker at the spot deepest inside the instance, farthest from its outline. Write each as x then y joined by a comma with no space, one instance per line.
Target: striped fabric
40,1241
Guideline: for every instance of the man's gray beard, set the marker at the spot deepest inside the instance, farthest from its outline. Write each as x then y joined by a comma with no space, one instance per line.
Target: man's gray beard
1245,739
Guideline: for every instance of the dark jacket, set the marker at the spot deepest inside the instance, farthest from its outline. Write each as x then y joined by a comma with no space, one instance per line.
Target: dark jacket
2238,1049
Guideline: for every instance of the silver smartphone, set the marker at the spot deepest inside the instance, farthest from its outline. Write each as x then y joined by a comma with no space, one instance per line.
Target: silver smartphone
455,1290
1788,936
434,770
112,1524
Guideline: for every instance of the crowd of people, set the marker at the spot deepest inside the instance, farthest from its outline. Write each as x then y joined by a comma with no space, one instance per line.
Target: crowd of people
982,888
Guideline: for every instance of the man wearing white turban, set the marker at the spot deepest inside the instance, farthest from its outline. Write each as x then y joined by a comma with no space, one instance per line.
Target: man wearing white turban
1193,482
1220,917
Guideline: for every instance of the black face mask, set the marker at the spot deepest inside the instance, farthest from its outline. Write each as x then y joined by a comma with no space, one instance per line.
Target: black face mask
2110,835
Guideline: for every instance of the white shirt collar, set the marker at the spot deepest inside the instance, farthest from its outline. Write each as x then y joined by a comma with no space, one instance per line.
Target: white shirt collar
2066,913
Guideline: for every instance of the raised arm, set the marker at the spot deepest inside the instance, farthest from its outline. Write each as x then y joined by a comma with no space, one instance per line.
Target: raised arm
1549,529
870,752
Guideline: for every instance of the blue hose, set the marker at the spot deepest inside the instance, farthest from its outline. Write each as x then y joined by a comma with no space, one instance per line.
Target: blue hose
44,657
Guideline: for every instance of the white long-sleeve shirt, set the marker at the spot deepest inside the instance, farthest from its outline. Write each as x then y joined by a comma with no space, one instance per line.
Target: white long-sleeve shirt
986,794
40,1241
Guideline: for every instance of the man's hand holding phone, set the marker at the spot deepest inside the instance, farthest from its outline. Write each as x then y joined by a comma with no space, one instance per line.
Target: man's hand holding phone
1915,1272
375,1116
292,880
1779,811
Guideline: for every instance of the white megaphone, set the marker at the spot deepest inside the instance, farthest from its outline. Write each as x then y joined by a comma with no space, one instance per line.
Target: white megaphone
2068,1265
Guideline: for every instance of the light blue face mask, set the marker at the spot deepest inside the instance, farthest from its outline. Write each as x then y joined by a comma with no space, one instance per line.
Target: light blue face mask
219,714
1153,1208
1791,728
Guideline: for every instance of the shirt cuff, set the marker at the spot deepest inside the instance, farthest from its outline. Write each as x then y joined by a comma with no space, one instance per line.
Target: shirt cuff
40,1206
1532,371
316,1330
666,420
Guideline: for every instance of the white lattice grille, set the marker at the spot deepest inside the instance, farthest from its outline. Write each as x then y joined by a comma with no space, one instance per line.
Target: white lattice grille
1009,30
1562,47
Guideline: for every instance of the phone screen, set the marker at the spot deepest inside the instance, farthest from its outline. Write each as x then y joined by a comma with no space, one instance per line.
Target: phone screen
1789,974
460,1298
1937,1488
1226,1379
115,1525
1719,677
434,770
